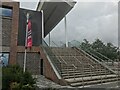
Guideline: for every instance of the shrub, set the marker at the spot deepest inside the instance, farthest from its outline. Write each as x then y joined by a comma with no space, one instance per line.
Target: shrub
27,87
15,86
15,78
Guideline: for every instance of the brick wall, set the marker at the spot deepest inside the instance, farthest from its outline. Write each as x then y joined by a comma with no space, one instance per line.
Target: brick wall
33,62
6,31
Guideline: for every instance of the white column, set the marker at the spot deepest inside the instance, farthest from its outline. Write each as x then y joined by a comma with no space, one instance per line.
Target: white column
42,24
66,41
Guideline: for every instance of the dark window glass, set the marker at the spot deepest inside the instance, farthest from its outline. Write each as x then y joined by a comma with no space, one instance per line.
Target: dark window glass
36,21
5,12
4,57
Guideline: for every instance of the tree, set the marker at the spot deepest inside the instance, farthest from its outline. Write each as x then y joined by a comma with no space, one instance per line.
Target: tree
111,51
98,46
85,44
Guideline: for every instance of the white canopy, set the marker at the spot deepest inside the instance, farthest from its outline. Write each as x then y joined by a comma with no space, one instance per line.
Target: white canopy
54,12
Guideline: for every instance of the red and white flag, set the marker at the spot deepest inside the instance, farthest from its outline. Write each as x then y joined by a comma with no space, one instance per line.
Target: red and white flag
29,35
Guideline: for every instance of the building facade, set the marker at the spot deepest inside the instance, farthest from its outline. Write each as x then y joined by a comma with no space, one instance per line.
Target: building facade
13,36
13,51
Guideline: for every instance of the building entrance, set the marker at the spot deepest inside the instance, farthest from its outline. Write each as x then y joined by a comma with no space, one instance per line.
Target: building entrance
41,67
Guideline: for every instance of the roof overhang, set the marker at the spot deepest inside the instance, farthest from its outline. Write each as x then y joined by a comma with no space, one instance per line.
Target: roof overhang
54,12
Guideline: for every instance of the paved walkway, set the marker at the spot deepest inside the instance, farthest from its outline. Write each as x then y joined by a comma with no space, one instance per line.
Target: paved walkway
110,85
43,82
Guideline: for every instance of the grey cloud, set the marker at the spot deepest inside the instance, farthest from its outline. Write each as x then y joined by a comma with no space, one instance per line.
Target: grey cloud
90,20
29,5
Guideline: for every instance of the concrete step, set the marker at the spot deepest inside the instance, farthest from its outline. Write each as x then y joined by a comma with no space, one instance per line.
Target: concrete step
70,72
85,72
80,71
75,76
78,76
80,68
73,69
93,82
72,80
76,73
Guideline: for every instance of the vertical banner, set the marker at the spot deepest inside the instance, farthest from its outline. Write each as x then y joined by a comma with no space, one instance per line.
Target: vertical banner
29,35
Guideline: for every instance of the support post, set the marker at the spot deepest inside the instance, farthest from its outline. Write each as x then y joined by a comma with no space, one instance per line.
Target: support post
66,41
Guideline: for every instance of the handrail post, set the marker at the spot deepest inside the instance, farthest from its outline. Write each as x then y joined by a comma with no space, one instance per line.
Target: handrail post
74,68
91,70
101,74
74,73
105,73
83,75
61,68
67,71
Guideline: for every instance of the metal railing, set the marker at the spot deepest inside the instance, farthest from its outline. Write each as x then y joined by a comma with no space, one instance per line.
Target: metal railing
98,69
54,60
98,55
56,45
103,59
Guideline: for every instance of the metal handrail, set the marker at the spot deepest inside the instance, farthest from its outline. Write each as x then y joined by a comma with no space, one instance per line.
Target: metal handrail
92,66
75,68
54,60
83,73
62,44
64,62
92,51
55,44
95,56
102,64
102,55
101,60
92,57
81,70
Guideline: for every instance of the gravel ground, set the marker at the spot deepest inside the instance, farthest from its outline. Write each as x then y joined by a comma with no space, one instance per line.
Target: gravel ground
43,82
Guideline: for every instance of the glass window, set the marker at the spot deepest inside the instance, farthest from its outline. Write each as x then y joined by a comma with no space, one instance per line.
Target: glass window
4,57
5,12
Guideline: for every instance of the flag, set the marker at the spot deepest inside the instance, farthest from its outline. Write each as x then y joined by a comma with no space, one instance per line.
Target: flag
29,35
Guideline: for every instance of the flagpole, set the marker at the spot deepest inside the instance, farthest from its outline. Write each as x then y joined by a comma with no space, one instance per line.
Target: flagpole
26,43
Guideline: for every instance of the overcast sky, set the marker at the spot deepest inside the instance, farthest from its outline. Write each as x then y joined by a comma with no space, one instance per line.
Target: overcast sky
88,20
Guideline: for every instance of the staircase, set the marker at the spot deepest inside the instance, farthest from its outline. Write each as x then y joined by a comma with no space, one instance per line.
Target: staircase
79,69
113,64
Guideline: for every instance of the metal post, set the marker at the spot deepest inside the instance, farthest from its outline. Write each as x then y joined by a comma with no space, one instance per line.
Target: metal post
66,32
26,43
49,39
42,24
